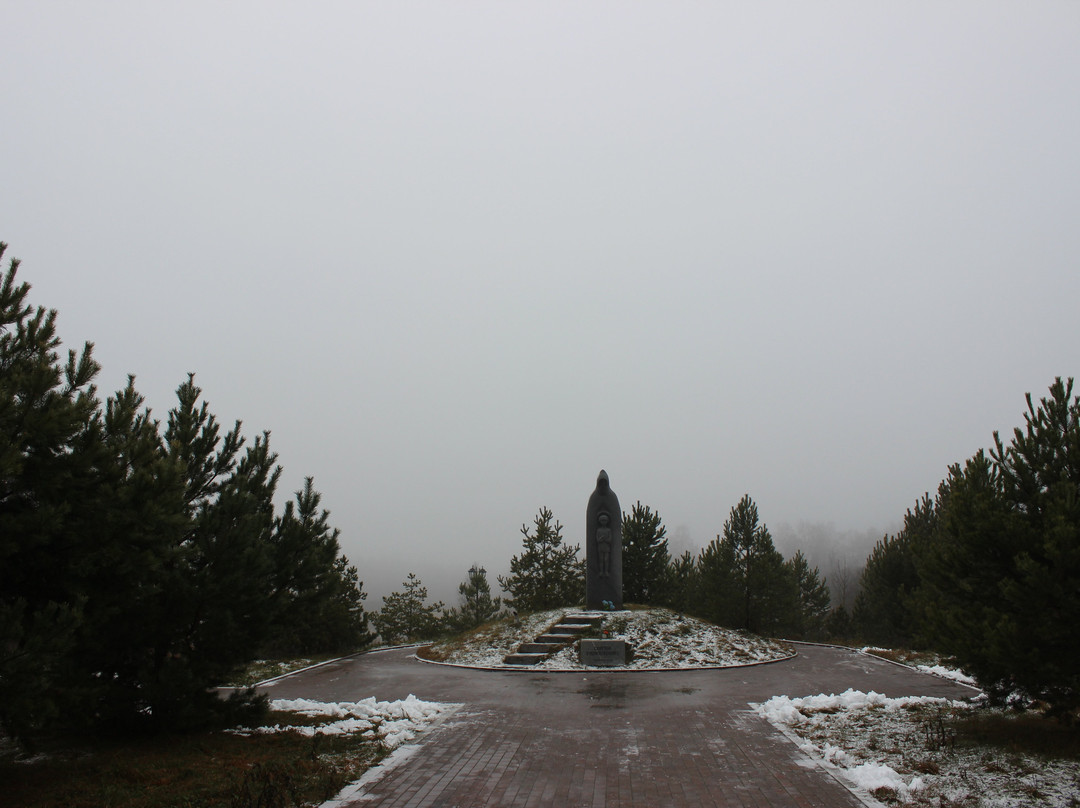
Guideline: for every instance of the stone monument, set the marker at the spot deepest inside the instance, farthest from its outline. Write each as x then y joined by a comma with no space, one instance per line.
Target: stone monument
603,548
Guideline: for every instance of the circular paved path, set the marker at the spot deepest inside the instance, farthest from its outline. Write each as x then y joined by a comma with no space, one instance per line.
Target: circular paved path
627,739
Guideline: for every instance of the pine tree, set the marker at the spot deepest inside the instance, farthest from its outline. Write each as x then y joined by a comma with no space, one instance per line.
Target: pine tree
342,611
180,586
137,567
303,549
884,611
838,626
751,546
128,534
312,610
812,601
645,556
682,586
476,605
715,596
547,574
1000,583
212,613
407,616
744,582
48,442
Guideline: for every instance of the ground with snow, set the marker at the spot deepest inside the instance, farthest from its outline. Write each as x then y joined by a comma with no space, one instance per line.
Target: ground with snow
391,722
901,751
906,751
896,749
660,639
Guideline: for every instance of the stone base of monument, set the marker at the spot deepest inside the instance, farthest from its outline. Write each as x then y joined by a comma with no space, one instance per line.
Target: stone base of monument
557,637
602,653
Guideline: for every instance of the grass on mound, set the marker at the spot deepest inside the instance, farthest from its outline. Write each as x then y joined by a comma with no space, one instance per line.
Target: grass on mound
199,770
504,634
906,656
262,669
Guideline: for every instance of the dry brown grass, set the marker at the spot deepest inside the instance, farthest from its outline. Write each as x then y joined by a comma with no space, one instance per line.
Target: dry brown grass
211,770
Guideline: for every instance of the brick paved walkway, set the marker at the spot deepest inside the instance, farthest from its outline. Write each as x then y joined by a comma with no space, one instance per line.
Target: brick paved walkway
683,738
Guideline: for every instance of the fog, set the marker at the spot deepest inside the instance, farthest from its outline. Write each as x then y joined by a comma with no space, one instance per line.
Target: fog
457,258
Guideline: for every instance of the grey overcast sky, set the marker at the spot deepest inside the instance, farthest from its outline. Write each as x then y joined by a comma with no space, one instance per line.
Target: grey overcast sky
458,257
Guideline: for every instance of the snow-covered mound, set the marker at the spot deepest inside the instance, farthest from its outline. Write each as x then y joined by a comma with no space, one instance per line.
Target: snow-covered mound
660,639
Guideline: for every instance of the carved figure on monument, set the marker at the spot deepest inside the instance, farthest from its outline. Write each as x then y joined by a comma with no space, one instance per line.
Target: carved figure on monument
603,547
603,543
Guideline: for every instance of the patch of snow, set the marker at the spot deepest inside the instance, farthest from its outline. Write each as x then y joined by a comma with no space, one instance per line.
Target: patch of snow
792,712
873,776
392,722
833,754
949,673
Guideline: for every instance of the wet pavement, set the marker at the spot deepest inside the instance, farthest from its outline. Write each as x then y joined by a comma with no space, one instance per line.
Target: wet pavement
604,738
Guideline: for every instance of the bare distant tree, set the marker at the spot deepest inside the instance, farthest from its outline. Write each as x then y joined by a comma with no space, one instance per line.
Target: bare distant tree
844,582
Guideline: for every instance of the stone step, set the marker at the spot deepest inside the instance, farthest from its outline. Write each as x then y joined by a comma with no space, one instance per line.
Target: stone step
593,620
555,639
523,659
544,648
568,628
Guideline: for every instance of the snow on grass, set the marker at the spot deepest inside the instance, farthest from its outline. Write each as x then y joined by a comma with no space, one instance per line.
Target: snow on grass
261,671
906,750
659,639
949,673
786,710
486,646
925,661
392,722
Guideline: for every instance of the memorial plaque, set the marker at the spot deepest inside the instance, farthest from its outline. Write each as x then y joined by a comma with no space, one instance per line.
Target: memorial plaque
602,653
